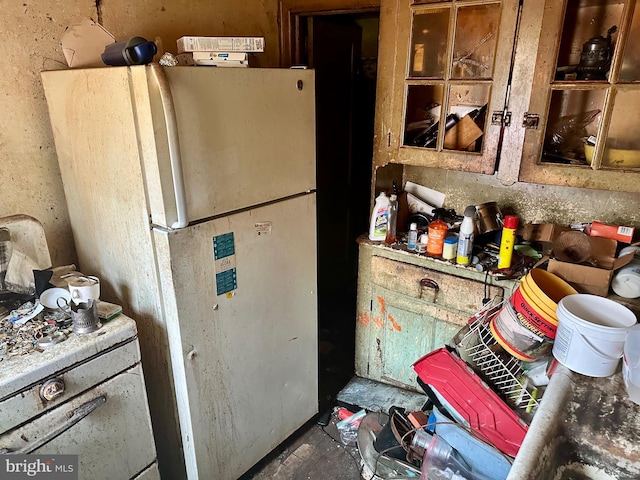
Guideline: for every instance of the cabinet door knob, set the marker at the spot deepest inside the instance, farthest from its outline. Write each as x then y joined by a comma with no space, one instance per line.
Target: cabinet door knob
429,289
51,389
429,283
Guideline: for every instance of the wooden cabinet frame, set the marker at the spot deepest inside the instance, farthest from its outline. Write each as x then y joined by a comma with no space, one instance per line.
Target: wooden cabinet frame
526,144
527,51
395,32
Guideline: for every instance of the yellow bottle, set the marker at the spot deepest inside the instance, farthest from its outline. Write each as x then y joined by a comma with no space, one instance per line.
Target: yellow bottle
508,239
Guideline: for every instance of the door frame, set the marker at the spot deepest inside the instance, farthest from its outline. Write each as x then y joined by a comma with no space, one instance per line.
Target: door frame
291,11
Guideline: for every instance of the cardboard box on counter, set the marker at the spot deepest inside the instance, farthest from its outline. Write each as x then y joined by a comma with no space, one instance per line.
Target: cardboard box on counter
542,232
595,278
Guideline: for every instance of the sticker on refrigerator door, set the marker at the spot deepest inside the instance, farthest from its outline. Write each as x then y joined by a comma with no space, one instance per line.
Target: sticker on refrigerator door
263,228
224,254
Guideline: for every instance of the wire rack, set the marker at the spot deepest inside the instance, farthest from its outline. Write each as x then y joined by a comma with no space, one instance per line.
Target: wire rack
499,369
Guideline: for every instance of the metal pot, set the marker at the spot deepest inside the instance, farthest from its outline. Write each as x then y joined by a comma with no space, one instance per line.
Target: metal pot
489,217
595,58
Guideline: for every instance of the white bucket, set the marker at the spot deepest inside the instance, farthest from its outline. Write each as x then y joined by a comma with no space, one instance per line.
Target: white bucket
591,334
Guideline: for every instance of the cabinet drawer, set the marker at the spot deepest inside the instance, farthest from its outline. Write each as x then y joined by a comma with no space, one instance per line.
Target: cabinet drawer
114,441
431,286
26,404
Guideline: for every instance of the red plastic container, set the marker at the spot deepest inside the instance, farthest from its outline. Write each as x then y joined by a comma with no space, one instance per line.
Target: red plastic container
487,414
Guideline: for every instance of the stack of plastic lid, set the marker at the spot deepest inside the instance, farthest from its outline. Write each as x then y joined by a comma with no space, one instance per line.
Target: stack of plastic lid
626,282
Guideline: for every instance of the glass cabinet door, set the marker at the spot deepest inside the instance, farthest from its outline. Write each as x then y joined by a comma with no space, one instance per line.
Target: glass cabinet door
587,94
451,75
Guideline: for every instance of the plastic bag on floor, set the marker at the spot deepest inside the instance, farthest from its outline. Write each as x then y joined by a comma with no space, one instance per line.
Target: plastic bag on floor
348,428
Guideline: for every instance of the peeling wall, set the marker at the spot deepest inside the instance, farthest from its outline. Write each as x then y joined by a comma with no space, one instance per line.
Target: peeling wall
30,34
531,202
29,176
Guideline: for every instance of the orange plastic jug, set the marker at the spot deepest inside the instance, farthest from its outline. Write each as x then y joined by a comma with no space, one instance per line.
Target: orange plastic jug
437,233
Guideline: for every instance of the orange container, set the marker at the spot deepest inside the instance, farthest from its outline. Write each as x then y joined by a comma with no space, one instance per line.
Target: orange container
437,233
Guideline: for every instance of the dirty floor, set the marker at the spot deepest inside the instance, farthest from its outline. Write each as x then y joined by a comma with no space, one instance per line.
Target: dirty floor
314,453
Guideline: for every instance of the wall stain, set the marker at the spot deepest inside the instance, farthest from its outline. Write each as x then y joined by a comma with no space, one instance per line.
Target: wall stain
363,319
383,308
378,321
394,324
99,11
533,203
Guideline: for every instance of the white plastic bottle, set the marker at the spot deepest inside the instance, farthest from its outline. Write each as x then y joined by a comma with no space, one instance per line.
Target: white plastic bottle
412,239
631,364
465,238
379,219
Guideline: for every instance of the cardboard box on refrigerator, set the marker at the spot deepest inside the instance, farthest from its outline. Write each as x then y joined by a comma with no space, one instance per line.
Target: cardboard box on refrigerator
220,44
218,56
84,42
218,59
596,277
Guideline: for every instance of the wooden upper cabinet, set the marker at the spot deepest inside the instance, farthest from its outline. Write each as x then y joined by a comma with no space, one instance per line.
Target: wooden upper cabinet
540,91
585,95
451,63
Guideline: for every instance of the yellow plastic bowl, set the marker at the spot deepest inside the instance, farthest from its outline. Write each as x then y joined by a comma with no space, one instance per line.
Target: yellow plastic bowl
543,305
547,287
615,157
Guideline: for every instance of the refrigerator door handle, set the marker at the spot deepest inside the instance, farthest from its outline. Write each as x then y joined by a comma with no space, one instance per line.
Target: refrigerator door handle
168,110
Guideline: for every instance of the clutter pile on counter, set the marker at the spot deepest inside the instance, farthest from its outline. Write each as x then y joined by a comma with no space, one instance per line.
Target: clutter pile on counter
486,384
41,306
593,257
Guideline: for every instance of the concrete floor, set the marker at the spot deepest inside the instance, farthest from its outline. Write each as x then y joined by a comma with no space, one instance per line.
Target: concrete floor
317,452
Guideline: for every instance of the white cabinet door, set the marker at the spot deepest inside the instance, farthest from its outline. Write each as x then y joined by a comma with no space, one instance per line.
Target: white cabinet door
113,441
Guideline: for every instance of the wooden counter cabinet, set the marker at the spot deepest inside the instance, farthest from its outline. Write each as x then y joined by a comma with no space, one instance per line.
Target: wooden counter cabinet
409,305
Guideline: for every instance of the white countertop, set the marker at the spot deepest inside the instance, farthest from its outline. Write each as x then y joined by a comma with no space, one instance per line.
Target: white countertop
19,372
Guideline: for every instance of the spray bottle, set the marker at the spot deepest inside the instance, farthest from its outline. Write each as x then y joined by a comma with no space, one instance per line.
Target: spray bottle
507,241
465,238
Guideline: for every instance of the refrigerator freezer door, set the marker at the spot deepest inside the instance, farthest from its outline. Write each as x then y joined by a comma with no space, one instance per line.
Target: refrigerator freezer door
243,345
247,137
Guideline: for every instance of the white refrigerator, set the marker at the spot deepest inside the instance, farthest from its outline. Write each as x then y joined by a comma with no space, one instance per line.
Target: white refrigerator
191,193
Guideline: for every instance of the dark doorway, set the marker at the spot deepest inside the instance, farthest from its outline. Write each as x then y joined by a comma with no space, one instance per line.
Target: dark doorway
342,49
